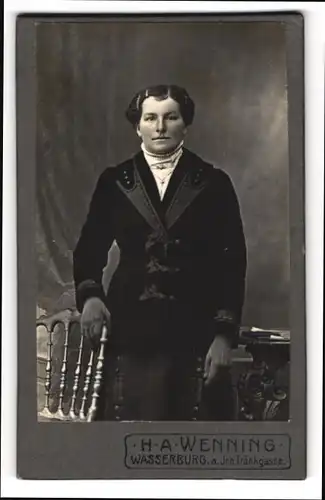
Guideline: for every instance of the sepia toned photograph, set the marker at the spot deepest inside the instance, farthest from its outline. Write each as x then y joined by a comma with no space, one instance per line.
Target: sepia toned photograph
161,246
162,221
162,205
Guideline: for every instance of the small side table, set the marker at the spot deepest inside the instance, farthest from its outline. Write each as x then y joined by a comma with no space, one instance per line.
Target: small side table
263,389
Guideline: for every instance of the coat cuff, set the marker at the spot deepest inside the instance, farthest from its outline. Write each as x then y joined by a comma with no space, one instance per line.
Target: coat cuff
87,289
226,324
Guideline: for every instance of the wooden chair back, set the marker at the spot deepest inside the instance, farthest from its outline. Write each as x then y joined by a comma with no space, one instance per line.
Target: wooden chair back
73,370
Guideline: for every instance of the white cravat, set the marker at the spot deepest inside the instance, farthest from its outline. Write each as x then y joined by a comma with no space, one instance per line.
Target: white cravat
162,166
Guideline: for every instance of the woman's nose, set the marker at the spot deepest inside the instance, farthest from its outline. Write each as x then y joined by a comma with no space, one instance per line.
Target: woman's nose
160,125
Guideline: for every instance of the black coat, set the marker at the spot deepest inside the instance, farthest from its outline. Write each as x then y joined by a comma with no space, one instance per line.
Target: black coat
181,275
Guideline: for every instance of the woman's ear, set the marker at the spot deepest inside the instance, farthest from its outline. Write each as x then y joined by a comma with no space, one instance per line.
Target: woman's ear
138,130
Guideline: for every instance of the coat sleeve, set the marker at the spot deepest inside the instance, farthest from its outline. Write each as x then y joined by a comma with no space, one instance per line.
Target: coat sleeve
96,238
233,262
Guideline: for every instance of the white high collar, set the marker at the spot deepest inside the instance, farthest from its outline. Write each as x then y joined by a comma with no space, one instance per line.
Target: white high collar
163,166
167,160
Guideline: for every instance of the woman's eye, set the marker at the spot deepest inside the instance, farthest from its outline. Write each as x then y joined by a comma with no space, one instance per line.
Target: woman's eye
151,118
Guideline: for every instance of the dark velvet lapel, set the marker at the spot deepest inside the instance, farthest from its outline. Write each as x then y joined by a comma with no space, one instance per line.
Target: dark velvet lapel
175,180
161,206
185,184
184,191
149,183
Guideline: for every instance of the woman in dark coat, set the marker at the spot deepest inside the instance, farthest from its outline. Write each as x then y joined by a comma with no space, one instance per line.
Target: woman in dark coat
174,303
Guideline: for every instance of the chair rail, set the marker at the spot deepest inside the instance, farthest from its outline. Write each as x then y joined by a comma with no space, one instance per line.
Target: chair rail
93,376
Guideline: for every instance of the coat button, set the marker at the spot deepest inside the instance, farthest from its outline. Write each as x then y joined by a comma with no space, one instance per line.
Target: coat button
177,242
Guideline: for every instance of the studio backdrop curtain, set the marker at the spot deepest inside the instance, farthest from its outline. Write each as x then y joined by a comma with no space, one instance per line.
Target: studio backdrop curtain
87,72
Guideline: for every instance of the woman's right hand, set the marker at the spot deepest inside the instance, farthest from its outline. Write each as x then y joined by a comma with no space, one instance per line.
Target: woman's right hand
94,314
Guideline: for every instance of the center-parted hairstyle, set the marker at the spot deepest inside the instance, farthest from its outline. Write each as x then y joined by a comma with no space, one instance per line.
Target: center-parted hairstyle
179,94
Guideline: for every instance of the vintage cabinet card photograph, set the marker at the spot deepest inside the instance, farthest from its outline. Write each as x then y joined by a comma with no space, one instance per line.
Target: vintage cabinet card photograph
160,237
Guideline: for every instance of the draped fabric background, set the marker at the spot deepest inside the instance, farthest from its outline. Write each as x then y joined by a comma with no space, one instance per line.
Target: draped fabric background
236,74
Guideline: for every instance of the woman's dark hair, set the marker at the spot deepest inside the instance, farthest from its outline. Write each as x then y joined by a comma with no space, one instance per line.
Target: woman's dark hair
179,94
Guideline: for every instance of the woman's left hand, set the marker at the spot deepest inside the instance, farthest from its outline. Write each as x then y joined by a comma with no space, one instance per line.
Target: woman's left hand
219,356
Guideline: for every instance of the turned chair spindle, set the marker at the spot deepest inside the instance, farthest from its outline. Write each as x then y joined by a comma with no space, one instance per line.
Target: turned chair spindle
77,375
98,376
92,381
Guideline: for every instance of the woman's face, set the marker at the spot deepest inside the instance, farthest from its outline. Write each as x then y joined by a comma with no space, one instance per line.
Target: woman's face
161,125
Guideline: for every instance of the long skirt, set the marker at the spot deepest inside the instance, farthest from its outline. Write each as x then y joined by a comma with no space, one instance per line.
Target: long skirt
160,386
